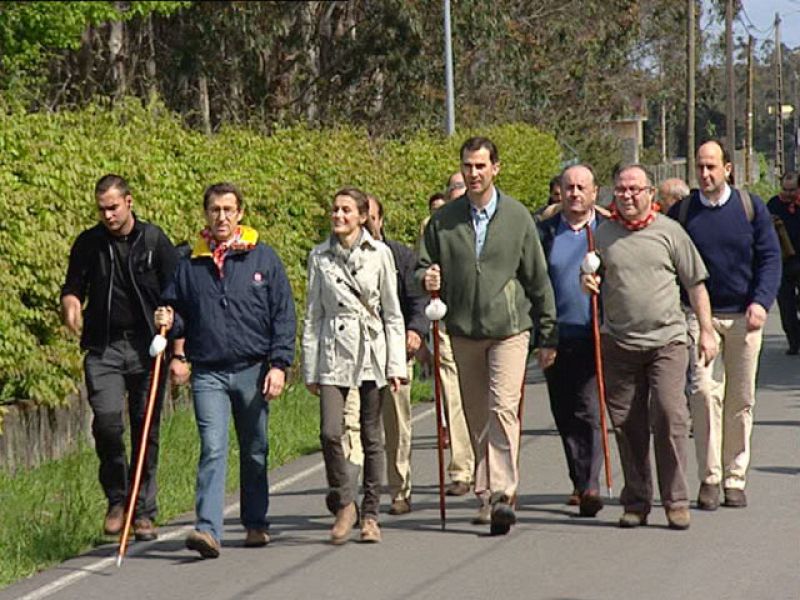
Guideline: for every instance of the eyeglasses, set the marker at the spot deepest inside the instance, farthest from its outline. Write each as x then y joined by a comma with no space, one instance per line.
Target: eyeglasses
456,186
225,212
634,191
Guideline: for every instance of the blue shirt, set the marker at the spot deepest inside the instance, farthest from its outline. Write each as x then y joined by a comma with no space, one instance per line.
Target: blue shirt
564,262
480,220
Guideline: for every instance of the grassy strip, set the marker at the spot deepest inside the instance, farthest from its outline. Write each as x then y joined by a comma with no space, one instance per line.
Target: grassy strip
54,512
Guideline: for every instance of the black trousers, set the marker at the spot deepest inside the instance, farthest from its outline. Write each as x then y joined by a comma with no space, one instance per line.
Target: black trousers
787,301
572,386
123,368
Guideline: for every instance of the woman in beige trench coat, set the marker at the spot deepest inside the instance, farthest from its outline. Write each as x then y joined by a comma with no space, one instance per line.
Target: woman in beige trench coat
353,337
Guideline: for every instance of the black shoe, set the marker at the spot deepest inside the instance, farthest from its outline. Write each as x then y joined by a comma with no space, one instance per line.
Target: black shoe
590,504
503,516
708,497
793,350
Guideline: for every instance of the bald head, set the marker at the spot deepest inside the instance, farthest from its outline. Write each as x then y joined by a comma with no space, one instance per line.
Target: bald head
671,191
579,193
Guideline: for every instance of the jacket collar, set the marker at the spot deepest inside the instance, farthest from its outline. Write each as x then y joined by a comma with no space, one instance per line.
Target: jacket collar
201,249
367,242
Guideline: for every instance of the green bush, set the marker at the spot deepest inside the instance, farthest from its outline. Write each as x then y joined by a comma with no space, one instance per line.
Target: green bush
50,162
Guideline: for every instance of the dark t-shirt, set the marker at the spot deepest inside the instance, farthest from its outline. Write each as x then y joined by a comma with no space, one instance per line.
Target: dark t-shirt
124,313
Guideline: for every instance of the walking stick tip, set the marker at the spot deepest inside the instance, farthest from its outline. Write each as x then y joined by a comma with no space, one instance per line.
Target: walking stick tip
119,560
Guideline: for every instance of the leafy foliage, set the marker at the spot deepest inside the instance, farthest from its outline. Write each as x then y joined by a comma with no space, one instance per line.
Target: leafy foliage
49,163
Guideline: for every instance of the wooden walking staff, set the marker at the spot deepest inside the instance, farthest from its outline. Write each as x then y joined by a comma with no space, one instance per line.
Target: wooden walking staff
157,347
435,311
589,266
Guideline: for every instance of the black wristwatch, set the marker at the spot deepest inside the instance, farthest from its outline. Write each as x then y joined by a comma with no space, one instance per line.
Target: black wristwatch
180,357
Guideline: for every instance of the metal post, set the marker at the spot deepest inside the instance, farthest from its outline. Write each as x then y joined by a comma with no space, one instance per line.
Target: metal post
779,161
748,116
730,104
450,125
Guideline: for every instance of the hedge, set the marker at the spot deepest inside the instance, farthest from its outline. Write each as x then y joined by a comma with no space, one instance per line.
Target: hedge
50,162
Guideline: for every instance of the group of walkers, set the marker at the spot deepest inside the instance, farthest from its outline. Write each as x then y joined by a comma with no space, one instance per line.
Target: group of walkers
684,301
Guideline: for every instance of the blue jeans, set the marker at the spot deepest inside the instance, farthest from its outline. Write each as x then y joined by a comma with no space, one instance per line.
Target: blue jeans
214,393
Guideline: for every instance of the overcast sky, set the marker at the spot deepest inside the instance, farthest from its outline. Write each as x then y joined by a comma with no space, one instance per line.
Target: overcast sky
761,14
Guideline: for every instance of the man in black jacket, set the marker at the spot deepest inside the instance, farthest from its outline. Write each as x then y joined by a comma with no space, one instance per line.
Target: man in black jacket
397,405
119,267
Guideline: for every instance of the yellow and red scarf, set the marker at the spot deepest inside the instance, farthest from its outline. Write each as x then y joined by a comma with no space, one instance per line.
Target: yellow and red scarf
219,250
638,224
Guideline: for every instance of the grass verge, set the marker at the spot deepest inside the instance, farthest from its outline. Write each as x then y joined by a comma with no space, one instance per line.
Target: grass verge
55,511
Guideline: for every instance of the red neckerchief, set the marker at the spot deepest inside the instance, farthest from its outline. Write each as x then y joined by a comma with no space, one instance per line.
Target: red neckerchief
219,250
791,205
635,225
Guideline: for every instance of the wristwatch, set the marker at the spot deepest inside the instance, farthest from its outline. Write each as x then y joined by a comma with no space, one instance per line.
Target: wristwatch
180,357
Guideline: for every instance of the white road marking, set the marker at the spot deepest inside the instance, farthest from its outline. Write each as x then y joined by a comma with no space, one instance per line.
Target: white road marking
67,580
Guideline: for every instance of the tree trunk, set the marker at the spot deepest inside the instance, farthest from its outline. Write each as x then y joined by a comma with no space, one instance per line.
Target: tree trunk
116,41
151,81
205,104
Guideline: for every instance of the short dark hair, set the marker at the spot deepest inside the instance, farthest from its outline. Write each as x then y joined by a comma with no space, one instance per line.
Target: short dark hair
108,181
555,182
436,196
378,203
474,144
362,204
790,177
220,189
628,166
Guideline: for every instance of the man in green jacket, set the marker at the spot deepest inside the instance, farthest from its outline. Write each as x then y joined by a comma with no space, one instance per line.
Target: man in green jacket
483,254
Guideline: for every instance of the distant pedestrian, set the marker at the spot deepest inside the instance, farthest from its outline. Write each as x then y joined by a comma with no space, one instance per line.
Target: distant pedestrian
785,209
670,192
353,337
232,300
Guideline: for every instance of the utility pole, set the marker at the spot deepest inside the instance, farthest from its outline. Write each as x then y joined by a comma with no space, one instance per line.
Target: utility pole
779,162
450,125
730,104
748,115
691,6
795,124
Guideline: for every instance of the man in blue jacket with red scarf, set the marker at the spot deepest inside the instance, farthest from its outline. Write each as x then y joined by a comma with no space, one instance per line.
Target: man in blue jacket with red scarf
232,301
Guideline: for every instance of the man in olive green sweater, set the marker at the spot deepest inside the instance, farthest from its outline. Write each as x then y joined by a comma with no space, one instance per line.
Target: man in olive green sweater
483,253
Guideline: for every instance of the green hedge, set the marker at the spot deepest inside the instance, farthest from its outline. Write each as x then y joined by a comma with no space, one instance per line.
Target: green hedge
50,162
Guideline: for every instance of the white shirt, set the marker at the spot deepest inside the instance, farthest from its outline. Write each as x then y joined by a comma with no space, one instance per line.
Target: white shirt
726,195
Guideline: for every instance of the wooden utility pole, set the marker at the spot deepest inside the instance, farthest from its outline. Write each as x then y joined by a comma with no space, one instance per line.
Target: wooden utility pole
795,124
730,104
779,162
748,115
691,6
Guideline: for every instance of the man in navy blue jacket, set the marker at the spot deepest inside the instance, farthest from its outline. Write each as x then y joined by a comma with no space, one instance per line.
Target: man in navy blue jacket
737,241
232,301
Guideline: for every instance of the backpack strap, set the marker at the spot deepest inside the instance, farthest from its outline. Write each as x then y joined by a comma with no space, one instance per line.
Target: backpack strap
683,210
747,204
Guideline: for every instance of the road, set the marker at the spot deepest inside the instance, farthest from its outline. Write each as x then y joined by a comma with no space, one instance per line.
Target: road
750,553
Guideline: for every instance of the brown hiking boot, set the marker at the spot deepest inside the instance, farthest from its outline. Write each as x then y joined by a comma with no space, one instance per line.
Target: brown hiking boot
370,531
708,496
678,518
631,519
115,519
400,506
203,542
346,518
456,488
735,498
144,530
256,538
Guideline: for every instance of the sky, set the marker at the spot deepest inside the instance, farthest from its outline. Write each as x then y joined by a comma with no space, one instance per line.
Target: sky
759,15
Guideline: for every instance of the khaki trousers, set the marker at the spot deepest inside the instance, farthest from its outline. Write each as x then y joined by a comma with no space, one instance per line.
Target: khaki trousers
721,399
491,374
462,459
397,429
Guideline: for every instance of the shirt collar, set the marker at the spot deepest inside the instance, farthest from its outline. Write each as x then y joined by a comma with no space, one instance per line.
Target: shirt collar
726,195
490,208
564,224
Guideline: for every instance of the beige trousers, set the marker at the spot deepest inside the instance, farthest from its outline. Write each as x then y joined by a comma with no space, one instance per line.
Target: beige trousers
491,374
397,429
721,399
462,459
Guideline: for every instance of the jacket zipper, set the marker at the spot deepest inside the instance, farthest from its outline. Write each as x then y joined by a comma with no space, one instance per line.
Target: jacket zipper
110,291
133,282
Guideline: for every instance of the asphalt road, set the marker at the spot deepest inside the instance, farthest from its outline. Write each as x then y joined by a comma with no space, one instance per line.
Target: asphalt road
750,553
